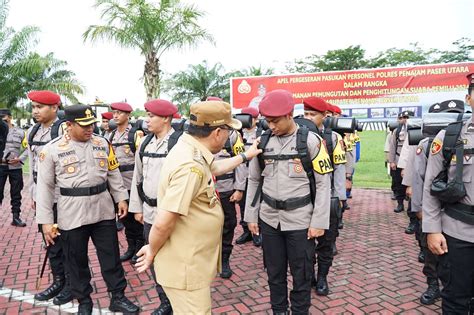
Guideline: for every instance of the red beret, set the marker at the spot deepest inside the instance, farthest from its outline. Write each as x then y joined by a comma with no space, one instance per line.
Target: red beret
277,103
177,115
337,109
470,79
45,97
107,115
121,106
161,108
250,110
213,98
315,103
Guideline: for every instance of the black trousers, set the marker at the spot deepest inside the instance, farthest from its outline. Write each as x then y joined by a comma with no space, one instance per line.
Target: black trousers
230,222
398,189
146,235
281,248
325,243
104,237
456,271
412,215
133,228
242,210
16,185
56,254
430,267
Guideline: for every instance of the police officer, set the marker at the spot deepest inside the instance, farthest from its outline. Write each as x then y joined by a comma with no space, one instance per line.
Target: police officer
450,225
45,105
148,162
293,208
249,136
106,117
350,165
187,231
315,109
420,160
83,166
124,139
14,157
396,144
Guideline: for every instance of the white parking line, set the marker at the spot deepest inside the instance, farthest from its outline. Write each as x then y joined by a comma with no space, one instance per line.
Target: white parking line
27,297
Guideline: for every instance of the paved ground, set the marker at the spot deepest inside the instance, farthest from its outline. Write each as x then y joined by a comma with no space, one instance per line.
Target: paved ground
376,270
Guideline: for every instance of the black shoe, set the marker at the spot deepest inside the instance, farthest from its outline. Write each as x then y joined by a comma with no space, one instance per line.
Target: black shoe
322,287
411,228
281,313
334,249
119,303
430,295
244,238
52,290
421,256
130,251
393,197
85,308
226,271
65,296
119,225
165,306
340,224
345,206
399,208
257,240
138,245
17,221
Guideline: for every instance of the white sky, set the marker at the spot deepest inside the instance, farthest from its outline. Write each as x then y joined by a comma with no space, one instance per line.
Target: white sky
247,33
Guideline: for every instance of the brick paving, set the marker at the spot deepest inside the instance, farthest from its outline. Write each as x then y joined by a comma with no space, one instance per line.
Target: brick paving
375,272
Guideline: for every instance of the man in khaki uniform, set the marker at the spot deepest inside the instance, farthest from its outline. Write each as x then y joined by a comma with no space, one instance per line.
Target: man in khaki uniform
83,166
125,140
291,217
149,159
186,236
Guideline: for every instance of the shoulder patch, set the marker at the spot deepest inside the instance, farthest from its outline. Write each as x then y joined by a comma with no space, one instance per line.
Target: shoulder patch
322,161
436,146
112,159
197,156
419,150
238,146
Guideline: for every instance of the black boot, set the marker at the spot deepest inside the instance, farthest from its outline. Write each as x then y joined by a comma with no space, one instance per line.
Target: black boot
345,206
431,294
119,225
17,221
334,249
52,290
411,228
138,245
165,306
119,303
400,207
85,306
257,240
130,251
340,225
322,287
421,256
393,197
281,313
226,271
65,296
244,238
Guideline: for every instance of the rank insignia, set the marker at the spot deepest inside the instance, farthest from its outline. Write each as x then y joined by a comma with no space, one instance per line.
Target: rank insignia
419,150
436,146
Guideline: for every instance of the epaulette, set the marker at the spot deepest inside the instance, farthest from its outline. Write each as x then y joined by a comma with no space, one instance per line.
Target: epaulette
197,156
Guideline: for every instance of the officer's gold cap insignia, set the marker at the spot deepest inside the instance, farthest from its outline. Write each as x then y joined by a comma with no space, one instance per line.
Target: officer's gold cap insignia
88,113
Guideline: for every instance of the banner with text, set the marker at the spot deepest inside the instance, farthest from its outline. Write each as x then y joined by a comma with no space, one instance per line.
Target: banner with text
372,93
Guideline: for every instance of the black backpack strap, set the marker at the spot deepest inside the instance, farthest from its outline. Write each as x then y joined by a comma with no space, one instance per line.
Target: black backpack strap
397,137
131,138
302,148
173,139
327,136
450,141
264,138
228,147
427,153
143,145
33,132
112,135
55,128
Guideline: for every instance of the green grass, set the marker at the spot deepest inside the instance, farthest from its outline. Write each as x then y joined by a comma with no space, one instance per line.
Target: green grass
370,171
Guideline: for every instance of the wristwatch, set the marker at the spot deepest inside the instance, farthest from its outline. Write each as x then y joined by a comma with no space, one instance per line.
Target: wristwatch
244,157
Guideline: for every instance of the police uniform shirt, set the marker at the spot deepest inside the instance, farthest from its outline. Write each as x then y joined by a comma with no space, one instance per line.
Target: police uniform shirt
124,154
287,179
404,154
42,135
434,219
148,172
250,135
396,144
15,146
419,170
339,161
410,153
69,164
350,155
190,258
238,182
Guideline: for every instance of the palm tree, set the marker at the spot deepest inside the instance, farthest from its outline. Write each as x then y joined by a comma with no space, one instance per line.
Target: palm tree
152,29
196,84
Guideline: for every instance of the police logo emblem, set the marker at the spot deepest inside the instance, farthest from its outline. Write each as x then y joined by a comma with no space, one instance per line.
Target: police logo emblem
298,168
102,163
436,146
42,155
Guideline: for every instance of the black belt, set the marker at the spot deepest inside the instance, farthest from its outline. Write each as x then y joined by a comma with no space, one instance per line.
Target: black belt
460,211
152,202
153,155
288,204
83,191
125,168
35,177
225,176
